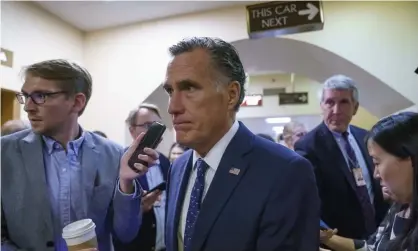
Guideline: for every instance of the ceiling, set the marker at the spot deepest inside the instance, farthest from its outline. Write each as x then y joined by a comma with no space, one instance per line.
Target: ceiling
96,15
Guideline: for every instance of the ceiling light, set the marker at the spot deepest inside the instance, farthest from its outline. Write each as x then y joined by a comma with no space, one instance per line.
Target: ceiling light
279,120
278,129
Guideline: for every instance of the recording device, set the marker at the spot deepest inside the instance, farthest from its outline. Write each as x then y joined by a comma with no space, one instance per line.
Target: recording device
323,225
150,140
161,187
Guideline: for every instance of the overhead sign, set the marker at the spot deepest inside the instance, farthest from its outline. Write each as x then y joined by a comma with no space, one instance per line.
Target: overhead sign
295,98
252,100
6,58
279,18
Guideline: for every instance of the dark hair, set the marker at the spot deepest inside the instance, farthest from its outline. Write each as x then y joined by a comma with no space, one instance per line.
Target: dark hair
175,144
131,119
398,135
100,133
69,76
224,56
265,136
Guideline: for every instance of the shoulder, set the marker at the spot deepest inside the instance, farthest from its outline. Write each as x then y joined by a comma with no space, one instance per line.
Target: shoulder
12,139
106,145
359,131
182,160
308,140
282,157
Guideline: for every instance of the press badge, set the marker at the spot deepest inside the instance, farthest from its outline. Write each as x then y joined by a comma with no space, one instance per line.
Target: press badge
358,176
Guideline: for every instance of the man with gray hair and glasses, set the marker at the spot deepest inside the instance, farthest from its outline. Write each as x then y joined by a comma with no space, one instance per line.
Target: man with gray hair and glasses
351,200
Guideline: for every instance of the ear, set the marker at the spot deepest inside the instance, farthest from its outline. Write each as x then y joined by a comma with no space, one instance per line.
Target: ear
132,131
80,102
355,108
234,91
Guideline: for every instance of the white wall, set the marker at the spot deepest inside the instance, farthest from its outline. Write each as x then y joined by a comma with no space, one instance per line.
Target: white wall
34,35
129,62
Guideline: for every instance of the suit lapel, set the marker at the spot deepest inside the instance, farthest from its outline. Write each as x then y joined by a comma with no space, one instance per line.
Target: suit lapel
333,147
223,184
181,176
90,162
33,161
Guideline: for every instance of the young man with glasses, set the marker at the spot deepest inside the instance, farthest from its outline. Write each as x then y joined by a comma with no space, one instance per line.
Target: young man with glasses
151,234
57,173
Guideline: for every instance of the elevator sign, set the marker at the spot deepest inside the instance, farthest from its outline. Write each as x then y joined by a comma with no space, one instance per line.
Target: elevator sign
280,18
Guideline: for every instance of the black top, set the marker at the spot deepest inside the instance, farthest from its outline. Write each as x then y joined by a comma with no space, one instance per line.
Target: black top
388,230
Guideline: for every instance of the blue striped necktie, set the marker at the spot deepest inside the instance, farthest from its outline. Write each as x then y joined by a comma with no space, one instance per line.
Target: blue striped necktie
195,202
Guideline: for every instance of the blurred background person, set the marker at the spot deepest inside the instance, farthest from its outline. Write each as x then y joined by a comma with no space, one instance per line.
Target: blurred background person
100,133
13,126
351,200
151,234
292,132
265,136
393,145
175,151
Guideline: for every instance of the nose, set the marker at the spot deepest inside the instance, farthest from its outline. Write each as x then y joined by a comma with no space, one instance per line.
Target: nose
175,104
30,106
336,108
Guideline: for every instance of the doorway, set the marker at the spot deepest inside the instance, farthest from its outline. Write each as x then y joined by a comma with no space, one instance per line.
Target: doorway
10,107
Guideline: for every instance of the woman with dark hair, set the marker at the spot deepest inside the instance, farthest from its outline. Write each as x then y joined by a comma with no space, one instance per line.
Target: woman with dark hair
393,145
175,151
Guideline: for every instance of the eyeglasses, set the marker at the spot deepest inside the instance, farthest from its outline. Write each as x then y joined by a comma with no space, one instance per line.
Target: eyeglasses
38,98
300,134
145,125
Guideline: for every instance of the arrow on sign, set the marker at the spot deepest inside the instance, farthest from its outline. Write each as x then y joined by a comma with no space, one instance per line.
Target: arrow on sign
303,98
3,56
312,11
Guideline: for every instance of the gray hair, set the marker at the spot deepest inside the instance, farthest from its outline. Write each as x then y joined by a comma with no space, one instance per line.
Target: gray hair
339,82
224,56
131,119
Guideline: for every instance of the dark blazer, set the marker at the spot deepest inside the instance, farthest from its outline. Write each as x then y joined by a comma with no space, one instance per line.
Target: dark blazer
271,204
145,240
340,207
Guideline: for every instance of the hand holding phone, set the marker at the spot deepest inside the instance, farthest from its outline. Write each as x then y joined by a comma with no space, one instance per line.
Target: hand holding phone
131,167
160,187
151,140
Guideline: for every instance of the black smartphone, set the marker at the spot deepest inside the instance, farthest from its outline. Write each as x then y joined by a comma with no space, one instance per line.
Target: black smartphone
150,140
161,187
323,225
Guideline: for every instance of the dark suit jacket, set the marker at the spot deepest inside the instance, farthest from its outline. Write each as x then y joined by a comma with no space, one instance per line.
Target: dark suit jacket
272,204
145,240
340,207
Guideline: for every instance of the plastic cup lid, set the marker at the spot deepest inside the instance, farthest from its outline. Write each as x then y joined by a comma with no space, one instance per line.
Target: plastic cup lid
77,228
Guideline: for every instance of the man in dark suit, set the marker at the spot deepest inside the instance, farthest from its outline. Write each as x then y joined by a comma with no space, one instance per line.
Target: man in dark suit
351,200
232,190
151,234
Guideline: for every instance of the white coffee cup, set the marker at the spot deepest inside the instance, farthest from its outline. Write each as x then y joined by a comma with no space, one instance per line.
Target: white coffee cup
80,235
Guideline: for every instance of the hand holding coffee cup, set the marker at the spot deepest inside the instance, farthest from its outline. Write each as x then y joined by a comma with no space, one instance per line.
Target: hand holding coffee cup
80,235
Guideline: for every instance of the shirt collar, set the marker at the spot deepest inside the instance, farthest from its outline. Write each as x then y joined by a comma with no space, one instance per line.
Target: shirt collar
75,145
340,135
214,156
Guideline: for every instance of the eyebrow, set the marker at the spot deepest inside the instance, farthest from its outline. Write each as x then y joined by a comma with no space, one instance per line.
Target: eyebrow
182,83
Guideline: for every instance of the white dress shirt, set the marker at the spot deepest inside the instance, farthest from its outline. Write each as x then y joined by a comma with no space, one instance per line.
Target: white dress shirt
213,158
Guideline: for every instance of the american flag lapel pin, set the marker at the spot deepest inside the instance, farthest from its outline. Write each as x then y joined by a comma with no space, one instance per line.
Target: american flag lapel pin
234,171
